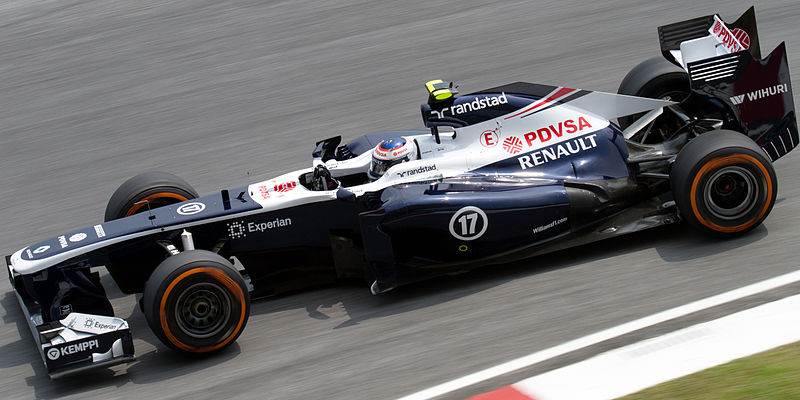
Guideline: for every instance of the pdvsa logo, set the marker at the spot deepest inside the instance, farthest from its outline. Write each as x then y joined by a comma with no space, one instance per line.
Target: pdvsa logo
734,40
512,145
285,187
569,126
742,36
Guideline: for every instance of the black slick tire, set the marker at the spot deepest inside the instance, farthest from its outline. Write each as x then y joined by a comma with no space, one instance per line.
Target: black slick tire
655,78
196,302
723,183
147,190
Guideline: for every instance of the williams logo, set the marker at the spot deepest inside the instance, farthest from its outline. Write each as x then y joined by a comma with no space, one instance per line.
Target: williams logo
191,208
760,94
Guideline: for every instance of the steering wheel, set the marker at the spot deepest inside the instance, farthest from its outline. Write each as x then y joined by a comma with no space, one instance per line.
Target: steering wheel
322,179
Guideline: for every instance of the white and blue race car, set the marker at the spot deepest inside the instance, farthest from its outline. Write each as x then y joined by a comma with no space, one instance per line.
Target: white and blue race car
498,175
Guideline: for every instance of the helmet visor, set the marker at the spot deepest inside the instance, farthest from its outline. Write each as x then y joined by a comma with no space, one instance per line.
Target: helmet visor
378,167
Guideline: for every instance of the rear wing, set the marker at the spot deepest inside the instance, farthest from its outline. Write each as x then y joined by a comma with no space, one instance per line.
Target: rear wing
726,71
733,37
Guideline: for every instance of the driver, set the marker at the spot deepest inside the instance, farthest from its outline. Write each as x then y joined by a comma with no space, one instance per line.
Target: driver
391,152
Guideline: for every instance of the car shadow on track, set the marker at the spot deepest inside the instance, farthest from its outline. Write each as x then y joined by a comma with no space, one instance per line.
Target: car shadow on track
676,243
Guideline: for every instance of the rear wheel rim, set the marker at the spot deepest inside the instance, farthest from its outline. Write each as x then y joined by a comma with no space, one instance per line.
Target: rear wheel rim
731,193
203,310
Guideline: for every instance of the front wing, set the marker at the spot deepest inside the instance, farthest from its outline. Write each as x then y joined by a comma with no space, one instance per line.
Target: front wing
76,343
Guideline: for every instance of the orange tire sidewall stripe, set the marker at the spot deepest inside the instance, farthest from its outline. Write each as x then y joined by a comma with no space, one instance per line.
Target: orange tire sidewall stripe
219,276
139,204
721,162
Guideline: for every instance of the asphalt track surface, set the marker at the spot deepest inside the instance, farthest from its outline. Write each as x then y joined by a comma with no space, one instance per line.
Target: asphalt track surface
225,93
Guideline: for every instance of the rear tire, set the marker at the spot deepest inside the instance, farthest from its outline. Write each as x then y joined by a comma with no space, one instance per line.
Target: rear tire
147,191
723,183
196,302
655,78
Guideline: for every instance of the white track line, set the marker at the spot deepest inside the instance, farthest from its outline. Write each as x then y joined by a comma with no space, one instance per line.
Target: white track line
604,335
641,365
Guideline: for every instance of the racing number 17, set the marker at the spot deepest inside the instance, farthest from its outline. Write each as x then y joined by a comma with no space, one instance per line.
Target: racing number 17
468,223
473,220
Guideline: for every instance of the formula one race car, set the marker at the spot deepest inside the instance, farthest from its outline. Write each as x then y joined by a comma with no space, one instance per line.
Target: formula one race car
501,174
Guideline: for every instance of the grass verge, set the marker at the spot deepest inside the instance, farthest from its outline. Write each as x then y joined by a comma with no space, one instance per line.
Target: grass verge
774,374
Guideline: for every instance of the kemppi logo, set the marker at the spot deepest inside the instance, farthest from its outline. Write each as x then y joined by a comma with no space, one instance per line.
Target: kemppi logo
55,353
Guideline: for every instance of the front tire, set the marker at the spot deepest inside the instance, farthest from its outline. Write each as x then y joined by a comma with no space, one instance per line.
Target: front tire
147,190
196,302
723,183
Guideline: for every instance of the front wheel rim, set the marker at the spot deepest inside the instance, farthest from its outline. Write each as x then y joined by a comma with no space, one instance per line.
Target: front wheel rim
203,310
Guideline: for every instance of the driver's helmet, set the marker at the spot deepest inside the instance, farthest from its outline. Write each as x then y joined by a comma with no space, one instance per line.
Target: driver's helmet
390,152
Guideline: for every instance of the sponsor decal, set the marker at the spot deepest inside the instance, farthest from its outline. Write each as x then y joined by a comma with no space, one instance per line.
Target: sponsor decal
191,208
285,187
552,153
264,226
760,93
236,230
41,249
742,36
264,190
512,145
93,324
543,228
544,135
490,138
391,148
77,237
416,171
65,309
240,229
468,223
54,353
725,36
62,240
387,154
96,324
28,252
475,105
98,230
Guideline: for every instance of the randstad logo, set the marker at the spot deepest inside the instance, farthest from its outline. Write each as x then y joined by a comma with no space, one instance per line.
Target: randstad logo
760,94
421,170
478,103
